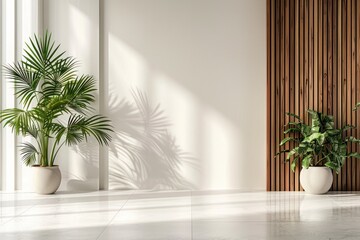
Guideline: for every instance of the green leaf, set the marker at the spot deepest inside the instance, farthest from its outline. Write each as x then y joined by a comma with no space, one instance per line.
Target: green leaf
354,155
283,151
288,139
347,127
28,153
315,129
306,161
319,137
26,82
333,132
79,128
79,93
331,165
294,115
356,106
19,120
297,124
352,139
41,54
293,164
290,130
305,130
292,152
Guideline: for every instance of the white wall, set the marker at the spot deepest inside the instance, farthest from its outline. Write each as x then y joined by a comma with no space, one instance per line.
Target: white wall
75,25
202,66
204,62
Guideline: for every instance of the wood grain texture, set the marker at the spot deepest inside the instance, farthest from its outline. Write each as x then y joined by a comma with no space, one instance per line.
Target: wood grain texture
313,63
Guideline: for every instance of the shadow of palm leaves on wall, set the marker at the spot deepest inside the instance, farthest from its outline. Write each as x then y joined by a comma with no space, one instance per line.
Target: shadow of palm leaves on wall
144,154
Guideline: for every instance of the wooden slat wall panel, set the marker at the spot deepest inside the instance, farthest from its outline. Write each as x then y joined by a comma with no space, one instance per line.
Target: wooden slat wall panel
313,62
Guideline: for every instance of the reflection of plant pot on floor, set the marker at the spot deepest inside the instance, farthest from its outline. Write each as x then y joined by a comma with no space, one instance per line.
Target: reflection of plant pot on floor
48,88
316,180
320,147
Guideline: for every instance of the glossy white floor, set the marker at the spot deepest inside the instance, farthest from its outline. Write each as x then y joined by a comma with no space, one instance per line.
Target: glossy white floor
179,215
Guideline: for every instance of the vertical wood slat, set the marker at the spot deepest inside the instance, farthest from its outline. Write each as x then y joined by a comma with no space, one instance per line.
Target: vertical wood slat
282,88
343,79
348,81
330,59
287,83
297,80
306,59
313,62
292,75
334,76
268,91
339,65
353,92
325,78
357,76
271,111
320,65
277,89
301,67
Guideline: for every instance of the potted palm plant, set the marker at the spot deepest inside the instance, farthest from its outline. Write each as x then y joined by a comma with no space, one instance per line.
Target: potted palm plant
320,147
56,109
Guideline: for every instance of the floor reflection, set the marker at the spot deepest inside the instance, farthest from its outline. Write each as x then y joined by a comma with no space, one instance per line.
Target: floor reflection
179,215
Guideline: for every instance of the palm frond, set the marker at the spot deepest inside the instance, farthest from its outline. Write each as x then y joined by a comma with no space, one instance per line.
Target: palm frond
19,120
80,93
63,70
26,81
72,133
79,128
41,54
28,153
99,127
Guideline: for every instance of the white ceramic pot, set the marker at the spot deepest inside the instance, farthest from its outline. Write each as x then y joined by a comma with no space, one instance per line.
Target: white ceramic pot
316,180
46,179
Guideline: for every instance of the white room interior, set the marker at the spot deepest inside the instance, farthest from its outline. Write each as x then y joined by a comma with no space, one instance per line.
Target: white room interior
192,60
185,84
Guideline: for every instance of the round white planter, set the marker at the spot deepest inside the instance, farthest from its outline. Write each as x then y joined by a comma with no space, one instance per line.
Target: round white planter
316,180
46,179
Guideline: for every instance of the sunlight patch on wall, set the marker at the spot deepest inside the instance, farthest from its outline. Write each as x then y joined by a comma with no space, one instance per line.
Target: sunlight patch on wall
184,111
220,145
127,68
84,46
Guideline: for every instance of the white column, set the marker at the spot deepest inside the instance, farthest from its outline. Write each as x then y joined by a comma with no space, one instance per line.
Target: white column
29,21
103,153
20,19
8,148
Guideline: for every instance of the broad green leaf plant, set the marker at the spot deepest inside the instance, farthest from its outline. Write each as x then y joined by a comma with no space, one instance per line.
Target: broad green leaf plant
56,103
318,144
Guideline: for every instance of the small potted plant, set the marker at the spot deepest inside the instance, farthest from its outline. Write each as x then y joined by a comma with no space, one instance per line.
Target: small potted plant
56,109
320,147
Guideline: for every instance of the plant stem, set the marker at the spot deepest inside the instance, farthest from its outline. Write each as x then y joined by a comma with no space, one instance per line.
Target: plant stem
44,141
320,160
57,151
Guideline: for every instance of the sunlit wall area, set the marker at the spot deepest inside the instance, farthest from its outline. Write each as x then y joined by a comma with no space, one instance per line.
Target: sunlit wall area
182,81
75,25
203,62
